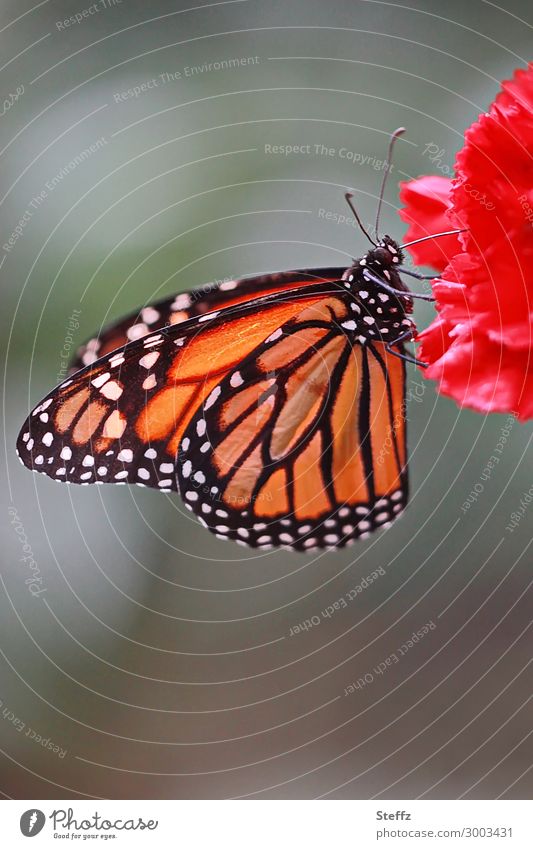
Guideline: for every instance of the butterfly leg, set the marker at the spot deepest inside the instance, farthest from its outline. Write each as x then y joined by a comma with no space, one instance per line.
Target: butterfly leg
416,275
404,337
380,282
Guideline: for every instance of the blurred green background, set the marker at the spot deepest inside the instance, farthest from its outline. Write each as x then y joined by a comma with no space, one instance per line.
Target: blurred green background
159,660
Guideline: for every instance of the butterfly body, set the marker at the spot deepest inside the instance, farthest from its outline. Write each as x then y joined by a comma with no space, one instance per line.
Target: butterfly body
380,314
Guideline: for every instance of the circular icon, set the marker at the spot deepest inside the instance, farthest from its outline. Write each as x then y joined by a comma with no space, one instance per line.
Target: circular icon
32,822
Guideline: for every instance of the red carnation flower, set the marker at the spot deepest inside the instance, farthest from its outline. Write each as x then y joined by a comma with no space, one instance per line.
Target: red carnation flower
479,346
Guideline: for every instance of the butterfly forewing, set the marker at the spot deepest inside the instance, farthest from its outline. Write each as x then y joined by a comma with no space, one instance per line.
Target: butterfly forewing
187,305
122,419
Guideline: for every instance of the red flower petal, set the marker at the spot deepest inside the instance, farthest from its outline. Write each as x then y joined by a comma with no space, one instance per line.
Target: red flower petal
427,203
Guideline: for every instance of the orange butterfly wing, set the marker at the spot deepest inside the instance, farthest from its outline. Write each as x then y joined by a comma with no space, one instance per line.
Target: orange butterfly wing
193,303
302,444
121,419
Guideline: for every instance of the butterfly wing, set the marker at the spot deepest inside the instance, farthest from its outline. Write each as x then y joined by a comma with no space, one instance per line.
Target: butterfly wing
303,444
183,306
122,419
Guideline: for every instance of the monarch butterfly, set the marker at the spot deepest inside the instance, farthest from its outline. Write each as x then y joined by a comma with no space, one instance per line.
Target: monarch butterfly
268,403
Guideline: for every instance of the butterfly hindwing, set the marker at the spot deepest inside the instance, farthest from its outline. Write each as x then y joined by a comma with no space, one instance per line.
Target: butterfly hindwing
303,444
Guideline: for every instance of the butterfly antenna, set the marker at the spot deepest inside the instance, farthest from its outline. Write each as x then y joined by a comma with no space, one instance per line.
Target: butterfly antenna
349,196
434,236
396,134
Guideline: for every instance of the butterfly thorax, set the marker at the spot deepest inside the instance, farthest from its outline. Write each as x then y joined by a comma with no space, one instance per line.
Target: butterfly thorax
380,313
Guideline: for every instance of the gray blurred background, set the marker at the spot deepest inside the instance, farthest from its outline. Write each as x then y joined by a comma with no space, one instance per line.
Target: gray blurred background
157,661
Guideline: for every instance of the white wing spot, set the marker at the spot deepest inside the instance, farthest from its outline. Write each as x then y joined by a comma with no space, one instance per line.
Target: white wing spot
136,331
273,336
331,539
112,390
149,382
210,400
181,302
153,340
100,380
149,359
149,315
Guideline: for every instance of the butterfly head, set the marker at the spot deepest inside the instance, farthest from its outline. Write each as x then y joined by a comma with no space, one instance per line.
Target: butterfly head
385,255
374,281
